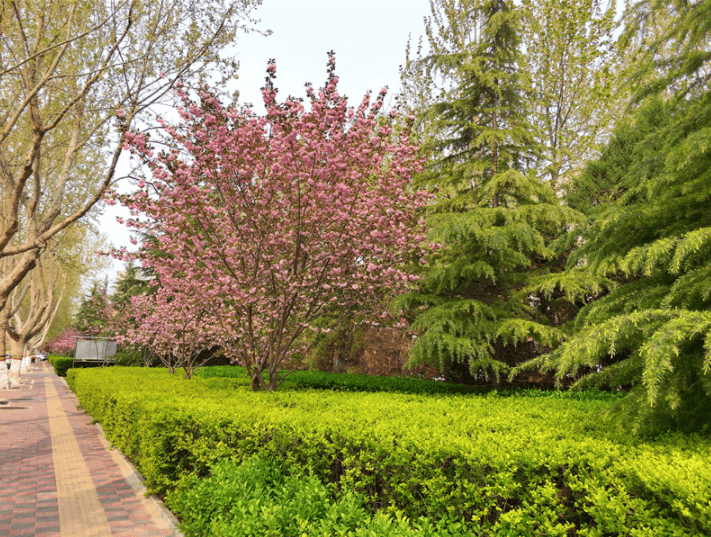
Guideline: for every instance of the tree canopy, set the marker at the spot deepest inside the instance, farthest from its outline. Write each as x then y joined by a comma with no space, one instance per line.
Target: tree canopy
268,227
649,231
74,77
494,217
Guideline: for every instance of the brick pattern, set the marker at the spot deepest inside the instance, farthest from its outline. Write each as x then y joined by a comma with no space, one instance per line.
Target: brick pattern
28,492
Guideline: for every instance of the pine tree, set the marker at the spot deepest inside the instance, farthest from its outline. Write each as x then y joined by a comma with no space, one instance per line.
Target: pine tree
495,219
573,73
649,230
91,317
133,282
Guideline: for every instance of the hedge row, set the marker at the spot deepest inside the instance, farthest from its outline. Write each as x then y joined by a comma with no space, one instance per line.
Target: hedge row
505,466
319,380
62,364
260,498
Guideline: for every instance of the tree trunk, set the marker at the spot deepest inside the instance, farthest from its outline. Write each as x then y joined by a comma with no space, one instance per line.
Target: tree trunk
18,348
272,386
498,356
255,382
4,320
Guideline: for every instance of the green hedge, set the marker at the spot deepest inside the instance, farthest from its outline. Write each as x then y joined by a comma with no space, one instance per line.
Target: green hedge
259,498
61,365
505,466
319,380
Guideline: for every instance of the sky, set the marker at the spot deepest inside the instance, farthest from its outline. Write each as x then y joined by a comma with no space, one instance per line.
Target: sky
368,36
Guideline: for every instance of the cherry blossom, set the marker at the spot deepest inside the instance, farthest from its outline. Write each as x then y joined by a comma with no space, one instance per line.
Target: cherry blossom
268,229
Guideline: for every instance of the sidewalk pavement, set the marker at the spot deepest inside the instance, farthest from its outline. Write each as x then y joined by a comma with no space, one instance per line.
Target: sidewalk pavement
58,476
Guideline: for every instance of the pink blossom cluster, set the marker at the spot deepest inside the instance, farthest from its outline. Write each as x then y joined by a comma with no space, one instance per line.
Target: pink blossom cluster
273,224
175,327
64,343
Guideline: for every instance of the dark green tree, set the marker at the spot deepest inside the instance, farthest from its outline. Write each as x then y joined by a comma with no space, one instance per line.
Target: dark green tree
494,218
134,281
91,317
649,231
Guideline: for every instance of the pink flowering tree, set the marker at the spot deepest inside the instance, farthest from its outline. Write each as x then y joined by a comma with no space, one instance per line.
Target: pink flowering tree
65,342
278,225
175,327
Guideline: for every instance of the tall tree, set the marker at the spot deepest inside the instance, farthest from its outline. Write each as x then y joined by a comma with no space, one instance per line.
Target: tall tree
577,75
668,42
74,76
91,317
573,73
494,218
80,265
48,292
269,227
34,304
651,233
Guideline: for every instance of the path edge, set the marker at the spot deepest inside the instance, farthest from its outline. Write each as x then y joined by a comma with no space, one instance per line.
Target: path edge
135,479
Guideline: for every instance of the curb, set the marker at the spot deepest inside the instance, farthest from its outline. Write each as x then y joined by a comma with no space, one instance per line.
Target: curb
153,504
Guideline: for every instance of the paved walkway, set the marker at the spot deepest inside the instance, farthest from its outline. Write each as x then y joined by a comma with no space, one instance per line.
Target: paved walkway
58,476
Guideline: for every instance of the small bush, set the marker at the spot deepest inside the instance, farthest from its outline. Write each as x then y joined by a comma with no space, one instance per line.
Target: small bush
52,357
61,365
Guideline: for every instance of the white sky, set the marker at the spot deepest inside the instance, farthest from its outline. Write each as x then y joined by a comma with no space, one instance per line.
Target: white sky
369,39
368,36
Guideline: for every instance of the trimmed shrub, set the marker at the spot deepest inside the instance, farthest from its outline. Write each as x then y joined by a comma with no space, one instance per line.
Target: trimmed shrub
259,498
61,365
544,465
321,380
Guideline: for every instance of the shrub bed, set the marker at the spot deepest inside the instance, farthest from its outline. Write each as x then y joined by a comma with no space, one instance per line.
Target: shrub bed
504,466
259,498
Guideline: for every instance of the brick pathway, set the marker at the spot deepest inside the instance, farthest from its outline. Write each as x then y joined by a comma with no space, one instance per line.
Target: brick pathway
45,492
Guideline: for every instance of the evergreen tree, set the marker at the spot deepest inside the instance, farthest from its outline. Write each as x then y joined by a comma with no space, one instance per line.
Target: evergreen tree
133,282
649,230
572,71
671,53
91,317
495,219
